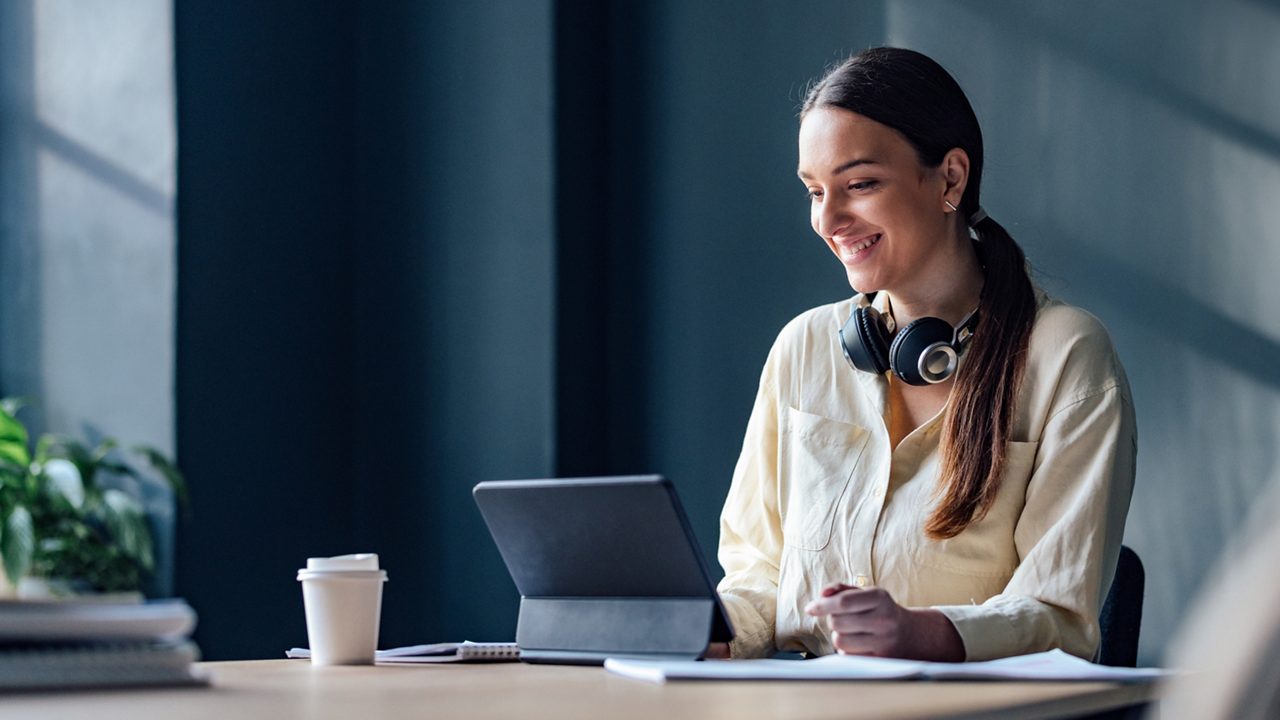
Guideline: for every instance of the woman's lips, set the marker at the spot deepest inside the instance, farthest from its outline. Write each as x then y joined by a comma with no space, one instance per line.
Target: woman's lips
858,250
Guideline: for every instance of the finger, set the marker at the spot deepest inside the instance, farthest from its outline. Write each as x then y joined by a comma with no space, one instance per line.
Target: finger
854,643
833,589
872,622
853,600
865,600
859,643
717,651
824,605
838,601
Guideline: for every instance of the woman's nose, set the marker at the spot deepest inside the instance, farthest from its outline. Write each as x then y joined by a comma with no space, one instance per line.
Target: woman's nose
831,217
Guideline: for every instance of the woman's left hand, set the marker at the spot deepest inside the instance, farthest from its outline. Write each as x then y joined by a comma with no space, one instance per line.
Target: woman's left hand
866,621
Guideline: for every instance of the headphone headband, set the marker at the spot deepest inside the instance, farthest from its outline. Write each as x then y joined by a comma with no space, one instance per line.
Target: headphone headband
964,330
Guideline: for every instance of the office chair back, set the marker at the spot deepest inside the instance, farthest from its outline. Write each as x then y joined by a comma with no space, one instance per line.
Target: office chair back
1121,616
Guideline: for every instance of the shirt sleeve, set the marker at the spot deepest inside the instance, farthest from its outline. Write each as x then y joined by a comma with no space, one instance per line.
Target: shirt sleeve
1068,535
751,532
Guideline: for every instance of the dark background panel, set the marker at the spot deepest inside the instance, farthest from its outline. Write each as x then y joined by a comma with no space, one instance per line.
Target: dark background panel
264,341
454,296
365,314
429,244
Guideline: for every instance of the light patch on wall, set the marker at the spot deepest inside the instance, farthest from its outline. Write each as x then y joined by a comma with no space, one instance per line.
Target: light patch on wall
1134,151
106,289
101,123
104,82
1239,188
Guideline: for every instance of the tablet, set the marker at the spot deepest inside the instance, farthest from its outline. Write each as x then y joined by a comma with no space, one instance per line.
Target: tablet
605,567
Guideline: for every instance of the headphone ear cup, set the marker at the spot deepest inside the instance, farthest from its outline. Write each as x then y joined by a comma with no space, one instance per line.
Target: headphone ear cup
866,341
913,342
876,338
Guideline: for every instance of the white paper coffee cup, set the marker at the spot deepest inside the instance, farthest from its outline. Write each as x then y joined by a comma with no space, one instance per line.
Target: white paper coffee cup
343,601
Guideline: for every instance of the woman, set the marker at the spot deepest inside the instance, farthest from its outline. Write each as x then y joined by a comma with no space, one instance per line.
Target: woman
960,492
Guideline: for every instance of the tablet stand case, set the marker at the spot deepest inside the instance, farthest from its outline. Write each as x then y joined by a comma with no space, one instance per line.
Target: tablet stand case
607,567
585,631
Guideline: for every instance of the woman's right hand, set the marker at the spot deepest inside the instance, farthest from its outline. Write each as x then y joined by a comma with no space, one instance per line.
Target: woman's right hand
717,651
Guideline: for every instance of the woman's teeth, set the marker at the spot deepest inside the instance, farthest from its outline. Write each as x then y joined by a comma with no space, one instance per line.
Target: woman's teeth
853,250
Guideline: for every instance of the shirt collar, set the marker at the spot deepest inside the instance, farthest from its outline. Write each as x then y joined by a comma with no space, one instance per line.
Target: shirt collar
881,304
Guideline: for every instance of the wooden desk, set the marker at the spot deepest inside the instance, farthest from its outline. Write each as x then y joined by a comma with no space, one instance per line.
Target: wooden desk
293,689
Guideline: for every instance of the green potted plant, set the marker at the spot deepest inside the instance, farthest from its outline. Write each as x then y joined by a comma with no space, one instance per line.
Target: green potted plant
64,522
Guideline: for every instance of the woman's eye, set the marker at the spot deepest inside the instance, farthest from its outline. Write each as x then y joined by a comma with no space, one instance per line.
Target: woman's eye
813,194
864,185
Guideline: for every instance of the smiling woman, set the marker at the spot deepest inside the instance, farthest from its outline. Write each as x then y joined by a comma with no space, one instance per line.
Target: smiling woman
958,488
884,185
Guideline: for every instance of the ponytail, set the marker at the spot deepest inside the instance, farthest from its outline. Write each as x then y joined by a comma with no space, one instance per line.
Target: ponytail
980,418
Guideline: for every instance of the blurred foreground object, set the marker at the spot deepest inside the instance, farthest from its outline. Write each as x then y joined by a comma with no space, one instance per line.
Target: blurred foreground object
96,641
1230,642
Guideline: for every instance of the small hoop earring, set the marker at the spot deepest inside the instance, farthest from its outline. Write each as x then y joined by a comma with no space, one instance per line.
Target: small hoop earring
953,207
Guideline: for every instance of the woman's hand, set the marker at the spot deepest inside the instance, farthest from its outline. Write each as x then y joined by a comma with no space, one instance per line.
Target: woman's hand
866,621
717,651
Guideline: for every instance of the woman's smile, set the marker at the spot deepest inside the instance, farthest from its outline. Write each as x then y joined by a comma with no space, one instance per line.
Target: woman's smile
856,249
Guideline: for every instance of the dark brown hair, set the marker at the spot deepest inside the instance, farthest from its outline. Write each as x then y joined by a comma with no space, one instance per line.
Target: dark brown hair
914,95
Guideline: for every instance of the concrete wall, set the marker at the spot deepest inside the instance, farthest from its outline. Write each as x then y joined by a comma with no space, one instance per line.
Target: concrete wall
1134,150
87,241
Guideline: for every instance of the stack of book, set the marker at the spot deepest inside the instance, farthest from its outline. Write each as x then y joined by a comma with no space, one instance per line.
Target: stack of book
110,642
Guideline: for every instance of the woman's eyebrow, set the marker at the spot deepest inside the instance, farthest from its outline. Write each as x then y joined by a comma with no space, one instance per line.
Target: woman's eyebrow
846,166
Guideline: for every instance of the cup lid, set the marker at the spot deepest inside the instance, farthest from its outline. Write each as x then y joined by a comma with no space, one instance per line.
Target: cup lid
342,575
344,563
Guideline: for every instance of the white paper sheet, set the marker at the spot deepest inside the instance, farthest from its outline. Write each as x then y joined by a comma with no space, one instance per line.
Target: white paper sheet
1054,665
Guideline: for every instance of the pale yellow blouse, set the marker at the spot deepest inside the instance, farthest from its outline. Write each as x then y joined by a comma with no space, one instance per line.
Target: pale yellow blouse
819,498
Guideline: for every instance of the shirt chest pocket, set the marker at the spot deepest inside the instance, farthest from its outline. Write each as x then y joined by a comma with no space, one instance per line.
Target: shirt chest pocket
817,458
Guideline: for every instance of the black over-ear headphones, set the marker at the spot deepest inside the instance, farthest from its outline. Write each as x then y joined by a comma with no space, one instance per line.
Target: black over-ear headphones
925,352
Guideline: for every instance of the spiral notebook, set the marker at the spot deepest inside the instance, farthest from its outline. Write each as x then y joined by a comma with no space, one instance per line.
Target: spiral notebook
465,651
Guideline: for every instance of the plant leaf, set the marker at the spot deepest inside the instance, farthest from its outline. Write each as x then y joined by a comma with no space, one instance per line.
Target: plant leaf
62,446
17,544
116,468
142,533
13,439
104,449
126,521
62,478
168,470
44,447
11,405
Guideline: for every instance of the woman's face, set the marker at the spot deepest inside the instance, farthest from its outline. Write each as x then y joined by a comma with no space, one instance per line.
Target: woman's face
879,210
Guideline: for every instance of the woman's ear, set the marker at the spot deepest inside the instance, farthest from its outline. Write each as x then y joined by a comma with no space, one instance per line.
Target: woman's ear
955,175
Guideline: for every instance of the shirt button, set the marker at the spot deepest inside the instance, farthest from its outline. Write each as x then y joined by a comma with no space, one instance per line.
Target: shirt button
879,493
861,580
